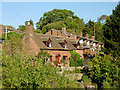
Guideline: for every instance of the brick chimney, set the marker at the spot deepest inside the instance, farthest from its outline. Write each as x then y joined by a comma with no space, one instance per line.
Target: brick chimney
10,27
87,36
73,31
29,28
18,29
93,37
80,33
64,31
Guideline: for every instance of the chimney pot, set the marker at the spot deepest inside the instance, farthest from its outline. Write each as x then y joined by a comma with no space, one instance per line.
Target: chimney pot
18,29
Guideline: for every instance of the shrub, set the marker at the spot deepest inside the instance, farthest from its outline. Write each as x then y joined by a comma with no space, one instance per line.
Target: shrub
75,59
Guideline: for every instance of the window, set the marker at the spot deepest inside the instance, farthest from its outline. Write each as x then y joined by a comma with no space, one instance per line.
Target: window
81,41
48,43
65,58
94,45
64,44
88,42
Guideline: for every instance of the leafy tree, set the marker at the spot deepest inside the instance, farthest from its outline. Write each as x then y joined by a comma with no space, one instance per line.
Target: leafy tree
112,33
90,27
102,18
55,25
22,27
63,17
75,59
104,71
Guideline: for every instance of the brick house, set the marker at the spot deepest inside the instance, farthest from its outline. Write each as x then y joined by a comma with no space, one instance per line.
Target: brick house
7,29
58,44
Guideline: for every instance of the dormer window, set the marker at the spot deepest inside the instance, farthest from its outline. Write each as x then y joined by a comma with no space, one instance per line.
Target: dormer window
48,43
81,42
64,44
94,45
88,42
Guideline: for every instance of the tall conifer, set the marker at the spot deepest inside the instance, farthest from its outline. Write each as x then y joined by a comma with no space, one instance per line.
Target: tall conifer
112,32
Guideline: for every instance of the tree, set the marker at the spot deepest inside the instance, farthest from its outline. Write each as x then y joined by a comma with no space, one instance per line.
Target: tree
22,27
92,26
112,33
55,25
104,71
102,18
64,17
75,59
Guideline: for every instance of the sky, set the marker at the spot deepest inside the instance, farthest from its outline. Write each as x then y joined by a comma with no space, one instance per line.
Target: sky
16,13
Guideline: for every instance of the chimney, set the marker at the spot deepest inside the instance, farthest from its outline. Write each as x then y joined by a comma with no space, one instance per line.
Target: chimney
18,29
64,31
10,27
93,37
80,33
29,28
73,31
87,36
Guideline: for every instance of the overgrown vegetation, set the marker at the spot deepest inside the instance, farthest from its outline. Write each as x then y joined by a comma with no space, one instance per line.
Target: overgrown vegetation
20,71
74,71
75,59
104,70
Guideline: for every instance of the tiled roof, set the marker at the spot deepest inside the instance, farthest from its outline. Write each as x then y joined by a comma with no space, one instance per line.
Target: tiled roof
56,40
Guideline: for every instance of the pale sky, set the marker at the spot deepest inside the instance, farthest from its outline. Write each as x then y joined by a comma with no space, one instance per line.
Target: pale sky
16,13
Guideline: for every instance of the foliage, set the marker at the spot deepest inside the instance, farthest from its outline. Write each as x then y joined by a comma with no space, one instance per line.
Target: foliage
112,33
43,56
55,25
75,59
74,71
90,27
86,80
22,27
13,44
65,18
104,71
20,71
102,18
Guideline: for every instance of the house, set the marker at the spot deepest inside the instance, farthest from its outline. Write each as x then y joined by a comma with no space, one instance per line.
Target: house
59,43
7,29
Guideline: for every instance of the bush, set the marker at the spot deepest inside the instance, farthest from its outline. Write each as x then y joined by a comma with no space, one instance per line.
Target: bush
86,80
75,59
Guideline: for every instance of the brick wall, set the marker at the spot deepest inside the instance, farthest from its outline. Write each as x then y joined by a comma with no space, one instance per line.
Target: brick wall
53,53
